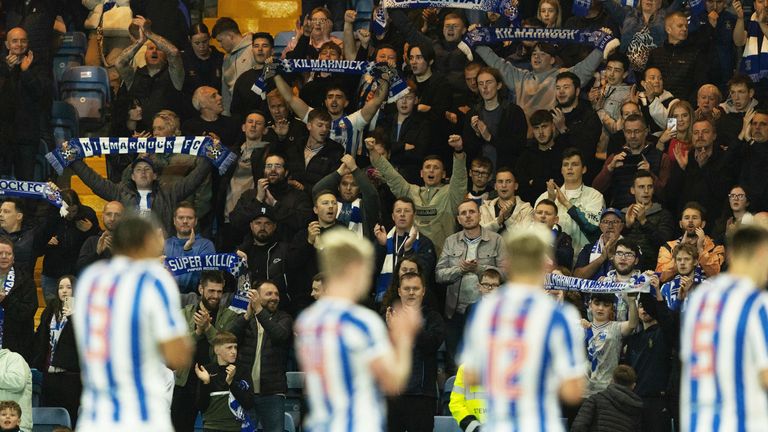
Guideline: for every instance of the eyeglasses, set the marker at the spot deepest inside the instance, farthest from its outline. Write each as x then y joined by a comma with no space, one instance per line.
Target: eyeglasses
620,254
737,196
611,222
480,173
273,166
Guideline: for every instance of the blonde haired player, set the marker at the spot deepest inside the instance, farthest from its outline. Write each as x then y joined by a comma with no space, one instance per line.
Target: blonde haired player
344,348
522,346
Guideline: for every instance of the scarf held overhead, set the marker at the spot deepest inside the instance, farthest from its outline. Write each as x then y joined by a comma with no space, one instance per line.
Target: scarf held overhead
397,89
508,8
570,283
603,41
202,146
29,189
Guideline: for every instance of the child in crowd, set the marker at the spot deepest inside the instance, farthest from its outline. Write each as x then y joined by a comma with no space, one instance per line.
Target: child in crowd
10,416
689,274
219,383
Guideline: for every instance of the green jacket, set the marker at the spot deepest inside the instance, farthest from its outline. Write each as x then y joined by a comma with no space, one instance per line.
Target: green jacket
435,206
224,320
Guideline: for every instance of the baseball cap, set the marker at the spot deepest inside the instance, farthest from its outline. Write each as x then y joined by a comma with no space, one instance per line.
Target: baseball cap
264,211
146,160
613,211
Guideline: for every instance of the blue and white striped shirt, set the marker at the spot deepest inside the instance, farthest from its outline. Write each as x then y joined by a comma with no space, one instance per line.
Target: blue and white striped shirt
124,309
724,347
337,342
523,345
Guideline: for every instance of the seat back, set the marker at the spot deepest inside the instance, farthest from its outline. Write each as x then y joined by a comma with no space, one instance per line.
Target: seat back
64,122
87,89
294,398
71,53
446,424
37,386
46,418
282,40
289,425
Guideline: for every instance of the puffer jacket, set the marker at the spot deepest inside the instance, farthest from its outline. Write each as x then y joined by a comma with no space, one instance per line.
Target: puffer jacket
615,409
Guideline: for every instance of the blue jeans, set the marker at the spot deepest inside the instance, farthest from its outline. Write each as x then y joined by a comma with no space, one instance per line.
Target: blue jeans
270,411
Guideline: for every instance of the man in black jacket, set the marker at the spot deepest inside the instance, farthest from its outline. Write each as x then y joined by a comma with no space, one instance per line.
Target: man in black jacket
18,300
23,107
266,335
289,207
615,409
99,246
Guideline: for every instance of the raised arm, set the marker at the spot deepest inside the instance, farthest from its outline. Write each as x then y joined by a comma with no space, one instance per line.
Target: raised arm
298,106
372,106
627,327
175,63
124,65
350,53
105,189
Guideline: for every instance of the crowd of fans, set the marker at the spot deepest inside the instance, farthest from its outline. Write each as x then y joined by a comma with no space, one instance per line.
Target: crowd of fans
640,160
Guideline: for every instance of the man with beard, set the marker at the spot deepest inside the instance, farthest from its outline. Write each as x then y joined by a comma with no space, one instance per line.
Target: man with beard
306,243
594,259
158,84
625,260
265,253
99,246
647,224
266,333
204,319
618,172
186,243
578,122
359,209
291,208
711,256
245,100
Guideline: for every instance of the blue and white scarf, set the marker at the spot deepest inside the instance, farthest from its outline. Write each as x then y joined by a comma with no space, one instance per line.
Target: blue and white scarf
491,36
397,88
379,22
30,189
641,284
507,8
246,425
352,216
202,146
228,262
10,278
754,61
671,290
390,261
55,328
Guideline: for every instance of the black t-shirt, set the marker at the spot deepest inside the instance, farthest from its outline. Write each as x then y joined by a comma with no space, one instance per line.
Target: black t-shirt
226,128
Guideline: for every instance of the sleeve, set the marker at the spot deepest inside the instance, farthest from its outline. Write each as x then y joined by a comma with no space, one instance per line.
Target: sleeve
664,263
410,33
712,259
510,74
329,182
21,302
475,352
758,336
357,121
397,184
458,182
583,421
163,306
585,68
13,377
447,270
458,402
487,220
591,231
188,184
565,343
105,189
370,336
278,329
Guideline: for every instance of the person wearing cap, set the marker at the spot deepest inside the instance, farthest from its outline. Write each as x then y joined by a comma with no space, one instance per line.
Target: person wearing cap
535,88
245,100
187,242
594,259
143,193
265,252
649,351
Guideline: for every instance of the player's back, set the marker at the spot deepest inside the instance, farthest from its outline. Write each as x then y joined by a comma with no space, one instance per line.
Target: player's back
337,340
123,310
723,349
523,344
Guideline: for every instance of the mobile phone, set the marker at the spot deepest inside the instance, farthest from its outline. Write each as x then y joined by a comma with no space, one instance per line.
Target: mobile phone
672,123
69,302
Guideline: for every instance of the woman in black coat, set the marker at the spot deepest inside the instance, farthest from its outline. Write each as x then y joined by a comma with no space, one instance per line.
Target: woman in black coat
56,352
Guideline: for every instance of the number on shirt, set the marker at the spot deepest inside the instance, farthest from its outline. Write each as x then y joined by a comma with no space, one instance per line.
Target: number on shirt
507,360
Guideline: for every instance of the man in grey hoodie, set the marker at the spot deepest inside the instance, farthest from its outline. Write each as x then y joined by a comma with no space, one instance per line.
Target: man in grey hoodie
238,58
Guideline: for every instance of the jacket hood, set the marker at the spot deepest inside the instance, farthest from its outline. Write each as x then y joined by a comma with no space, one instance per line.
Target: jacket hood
623,399
244,43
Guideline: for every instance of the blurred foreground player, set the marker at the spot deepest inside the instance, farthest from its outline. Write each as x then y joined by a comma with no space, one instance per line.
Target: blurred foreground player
128,327
344,348
724,342
524,347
